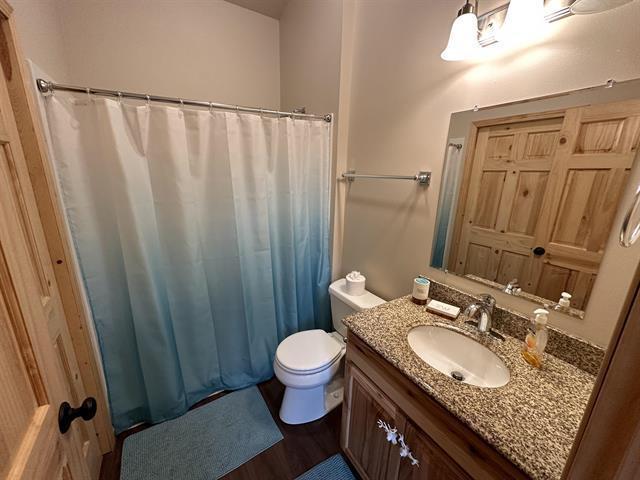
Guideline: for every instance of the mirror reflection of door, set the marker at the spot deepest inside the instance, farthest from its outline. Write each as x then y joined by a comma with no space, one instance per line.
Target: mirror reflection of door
541,195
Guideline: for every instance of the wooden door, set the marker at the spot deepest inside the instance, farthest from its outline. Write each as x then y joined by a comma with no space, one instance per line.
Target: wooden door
38,369
596,149
509,181
433,462
363,441
542,196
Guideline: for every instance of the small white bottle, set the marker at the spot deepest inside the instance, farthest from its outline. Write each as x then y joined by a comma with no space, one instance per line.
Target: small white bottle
564,304
536,339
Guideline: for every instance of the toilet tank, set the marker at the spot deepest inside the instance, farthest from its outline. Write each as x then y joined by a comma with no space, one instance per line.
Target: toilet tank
343,304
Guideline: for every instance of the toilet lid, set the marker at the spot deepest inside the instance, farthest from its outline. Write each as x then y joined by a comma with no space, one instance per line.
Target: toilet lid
308,351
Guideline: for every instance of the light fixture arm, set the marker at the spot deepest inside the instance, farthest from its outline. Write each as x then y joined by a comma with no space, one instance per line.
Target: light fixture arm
469,8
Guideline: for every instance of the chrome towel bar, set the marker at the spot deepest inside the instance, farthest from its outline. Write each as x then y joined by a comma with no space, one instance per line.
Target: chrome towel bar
422,177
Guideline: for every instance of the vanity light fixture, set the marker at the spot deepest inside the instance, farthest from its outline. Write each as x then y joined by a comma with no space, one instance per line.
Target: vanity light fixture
524,20
512,22
583,7
463,39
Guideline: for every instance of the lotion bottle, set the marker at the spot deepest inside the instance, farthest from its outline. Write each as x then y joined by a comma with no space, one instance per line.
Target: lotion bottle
536,339
564,304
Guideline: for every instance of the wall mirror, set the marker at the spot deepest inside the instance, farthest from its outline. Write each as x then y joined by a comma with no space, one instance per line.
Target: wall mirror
530,189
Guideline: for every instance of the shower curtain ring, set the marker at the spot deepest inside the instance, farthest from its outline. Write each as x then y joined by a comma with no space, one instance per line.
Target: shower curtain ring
89,94
181,103
120,97
238,109
148,100
261,112
210,108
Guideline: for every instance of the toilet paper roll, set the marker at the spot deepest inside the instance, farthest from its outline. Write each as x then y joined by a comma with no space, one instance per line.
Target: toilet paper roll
355,283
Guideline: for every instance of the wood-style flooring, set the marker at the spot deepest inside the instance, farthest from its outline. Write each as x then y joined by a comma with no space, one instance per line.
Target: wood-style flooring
303,446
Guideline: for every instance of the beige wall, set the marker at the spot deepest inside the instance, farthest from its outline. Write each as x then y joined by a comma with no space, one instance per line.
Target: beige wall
311,53
209,50
40,34
310,38
402,95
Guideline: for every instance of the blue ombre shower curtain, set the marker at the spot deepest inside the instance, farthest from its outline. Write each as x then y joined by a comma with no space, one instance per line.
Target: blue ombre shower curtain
202,238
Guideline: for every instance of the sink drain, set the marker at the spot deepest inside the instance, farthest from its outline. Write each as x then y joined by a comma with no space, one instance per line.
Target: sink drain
457,375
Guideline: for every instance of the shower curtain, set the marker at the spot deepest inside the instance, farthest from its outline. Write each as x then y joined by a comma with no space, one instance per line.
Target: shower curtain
203,241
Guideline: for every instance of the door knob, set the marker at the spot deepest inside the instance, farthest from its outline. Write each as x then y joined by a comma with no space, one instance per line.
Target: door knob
67,414
539,251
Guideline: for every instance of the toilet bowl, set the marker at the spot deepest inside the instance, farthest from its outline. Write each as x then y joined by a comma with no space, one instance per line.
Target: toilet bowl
309,363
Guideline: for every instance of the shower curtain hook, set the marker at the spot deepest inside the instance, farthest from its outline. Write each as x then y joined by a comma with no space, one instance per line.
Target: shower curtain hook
210,108
120,98
89,95
148,100
181,104
238,109
261,112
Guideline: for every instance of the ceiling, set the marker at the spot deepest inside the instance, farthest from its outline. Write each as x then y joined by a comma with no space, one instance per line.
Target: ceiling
271,8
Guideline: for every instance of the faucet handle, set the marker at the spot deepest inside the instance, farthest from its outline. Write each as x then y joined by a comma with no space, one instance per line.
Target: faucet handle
471,310
487,299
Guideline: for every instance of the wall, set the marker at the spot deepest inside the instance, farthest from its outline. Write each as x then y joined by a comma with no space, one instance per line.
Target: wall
40,34
202,50
311,38
402,96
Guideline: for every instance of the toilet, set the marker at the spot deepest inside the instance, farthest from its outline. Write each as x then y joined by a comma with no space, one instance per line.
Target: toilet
309,363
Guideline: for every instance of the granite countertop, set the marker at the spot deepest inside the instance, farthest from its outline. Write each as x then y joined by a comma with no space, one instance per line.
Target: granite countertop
532,420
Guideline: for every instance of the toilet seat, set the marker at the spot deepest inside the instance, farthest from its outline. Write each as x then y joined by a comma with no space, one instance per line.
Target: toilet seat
308,352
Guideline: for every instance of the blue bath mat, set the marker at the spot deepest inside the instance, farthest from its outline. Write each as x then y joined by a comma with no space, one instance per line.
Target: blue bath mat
333,468
205,443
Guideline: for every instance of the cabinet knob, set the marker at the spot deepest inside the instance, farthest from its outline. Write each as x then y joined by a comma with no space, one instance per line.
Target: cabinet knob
405,452
392,433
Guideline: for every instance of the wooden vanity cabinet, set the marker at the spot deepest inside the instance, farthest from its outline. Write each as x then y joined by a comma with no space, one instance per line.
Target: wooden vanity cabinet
443,446
364,441
435,464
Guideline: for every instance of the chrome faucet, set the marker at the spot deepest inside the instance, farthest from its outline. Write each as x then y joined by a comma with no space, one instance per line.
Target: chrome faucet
512,288
484,307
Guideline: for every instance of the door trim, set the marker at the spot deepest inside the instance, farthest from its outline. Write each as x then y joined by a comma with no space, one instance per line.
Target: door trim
52,218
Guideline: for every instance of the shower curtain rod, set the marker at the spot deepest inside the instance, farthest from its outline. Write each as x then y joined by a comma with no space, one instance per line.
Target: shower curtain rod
45,86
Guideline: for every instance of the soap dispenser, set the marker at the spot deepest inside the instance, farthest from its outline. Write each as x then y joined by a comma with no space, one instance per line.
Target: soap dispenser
536,339
564,304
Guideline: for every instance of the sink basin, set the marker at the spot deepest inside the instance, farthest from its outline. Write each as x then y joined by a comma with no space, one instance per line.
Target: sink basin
458,356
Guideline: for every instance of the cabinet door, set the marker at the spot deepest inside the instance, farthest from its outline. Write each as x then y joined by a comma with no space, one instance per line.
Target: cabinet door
363,441
433,462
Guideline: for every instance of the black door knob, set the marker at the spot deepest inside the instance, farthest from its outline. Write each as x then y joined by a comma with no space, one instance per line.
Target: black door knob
67,414
539,251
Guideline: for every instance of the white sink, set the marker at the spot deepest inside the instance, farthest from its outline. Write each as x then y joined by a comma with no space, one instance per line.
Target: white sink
458,356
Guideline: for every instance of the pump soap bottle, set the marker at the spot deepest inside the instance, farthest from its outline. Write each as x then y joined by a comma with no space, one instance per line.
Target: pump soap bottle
536,339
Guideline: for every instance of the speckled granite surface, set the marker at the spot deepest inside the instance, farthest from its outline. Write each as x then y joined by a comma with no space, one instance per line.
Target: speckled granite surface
532,420
562,345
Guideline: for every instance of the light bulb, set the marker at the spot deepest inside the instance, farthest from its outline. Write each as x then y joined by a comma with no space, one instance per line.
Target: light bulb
524,20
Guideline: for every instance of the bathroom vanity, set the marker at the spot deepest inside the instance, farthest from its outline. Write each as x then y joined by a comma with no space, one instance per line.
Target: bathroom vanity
449,428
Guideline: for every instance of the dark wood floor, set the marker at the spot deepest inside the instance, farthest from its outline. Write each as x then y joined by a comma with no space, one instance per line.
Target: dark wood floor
303,446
